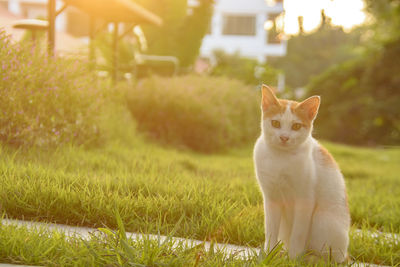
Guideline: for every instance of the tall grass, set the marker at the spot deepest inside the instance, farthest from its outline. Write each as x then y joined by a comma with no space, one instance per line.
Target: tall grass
45,101
106,247
203,113
152,188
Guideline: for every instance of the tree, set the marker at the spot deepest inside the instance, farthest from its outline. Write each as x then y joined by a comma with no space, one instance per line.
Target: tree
386,14
309,54
361,97
182,31
180,35
193,30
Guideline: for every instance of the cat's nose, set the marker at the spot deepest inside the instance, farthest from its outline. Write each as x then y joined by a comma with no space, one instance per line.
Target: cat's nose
284,138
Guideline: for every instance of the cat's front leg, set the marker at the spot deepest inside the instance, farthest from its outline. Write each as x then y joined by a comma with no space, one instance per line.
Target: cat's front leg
301,225
273,212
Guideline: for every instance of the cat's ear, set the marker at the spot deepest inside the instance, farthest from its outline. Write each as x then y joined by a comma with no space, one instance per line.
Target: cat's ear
309,107
268,98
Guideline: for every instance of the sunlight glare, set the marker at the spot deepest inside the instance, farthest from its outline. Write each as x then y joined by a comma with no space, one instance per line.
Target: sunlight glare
346,13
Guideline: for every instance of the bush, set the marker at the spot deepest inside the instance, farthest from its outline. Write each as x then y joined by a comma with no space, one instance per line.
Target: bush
45,101
203,113
244,69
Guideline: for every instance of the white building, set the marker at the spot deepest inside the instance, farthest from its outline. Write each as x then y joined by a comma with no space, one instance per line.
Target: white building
246,26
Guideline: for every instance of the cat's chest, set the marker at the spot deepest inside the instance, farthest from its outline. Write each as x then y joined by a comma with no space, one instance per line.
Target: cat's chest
284,170
284,165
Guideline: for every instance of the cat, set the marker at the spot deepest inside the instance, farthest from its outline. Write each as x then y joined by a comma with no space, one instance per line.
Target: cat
304,193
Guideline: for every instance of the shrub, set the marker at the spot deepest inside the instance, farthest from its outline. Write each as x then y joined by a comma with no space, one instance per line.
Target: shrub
203,113
45,101
244,69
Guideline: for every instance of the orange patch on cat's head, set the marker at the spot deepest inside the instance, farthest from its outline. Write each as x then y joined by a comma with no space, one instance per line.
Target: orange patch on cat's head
306,111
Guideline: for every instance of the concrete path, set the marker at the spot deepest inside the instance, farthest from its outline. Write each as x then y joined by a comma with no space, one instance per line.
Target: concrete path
85,232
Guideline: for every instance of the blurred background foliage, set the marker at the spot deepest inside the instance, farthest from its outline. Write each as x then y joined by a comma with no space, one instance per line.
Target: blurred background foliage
247,70
45,101
180,36
309,54
206,114
182,31
361,96
355,72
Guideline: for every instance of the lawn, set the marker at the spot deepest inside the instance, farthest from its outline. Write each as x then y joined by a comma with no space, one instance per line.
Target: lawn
216,195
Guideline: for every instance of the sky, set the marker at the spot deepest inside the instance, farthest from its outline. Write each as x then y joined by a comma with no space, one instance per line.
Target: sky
346,13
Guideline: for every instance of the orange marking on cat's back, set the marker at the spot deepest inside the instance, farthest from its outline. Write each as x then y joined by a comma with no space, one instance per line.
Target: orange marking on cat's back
327,158
346,201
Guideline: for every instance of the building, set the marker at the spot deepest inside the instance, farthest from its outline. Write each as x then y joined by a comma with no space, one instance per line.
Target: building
72,21
250,27
14,10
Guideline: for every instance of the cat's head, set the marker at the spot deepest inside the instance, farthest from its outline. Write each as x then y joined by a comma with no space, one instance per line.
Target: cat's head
287,124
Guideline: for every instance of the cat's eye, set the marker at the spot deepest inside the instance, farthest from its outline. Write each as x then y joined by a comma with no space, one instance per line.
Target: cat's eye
275,124
296,126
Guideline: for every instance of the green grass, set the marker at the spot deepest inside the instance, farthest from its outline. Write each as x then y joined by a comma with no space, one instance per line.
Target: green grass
40,246
153,186
105,248
373,185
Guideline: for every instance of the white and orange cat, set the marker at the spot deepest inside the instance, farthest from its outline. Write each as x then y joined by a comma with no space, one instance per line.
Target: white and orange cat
304,193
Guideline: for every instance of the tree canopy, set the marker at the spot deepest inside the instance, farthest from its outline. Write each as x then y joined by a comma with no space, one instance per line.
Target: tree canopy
361,97
182,31
309,54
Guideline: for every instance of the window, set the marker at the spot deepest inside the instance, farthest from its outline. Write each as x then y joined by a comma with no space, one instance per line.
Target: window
239,25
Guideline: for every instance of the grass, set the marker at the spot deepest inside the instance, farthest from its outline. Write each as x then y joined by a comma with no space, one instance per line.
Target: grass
152,187
105,247
155,189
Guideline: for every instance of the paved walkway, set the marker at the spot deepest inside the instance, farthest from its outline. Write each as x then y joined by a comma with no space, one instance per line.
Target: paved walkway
84,232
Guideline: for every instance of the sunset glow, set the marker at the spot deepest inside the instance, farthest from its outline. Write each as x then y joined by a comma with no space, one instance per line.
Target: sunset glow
346,13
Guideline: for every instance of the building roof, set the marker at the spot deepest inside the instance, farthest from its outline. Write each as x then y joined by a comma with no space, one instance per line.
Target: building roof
116,11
